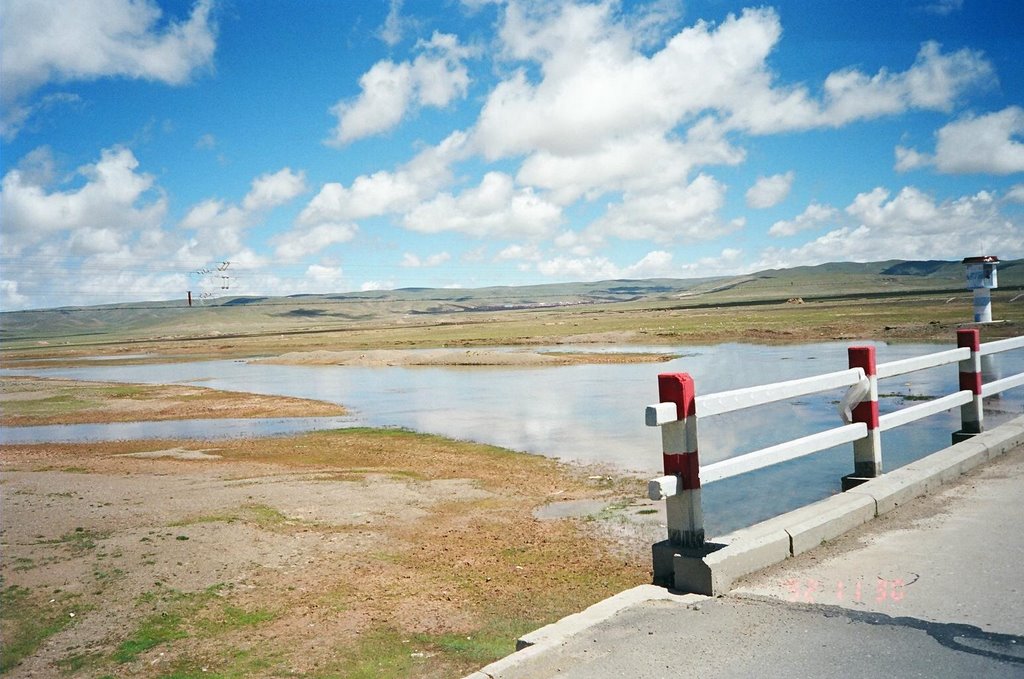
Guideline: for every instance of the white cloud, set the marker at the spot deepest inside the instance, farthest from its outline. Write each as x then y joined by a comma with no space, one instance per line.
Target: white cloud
674,215
729,261
369,196
495,208
1016,193
377,285
595,85
655,264
10,298
943,7
47,41
220,226
385,192
813,216
114,202
912,225
331,216
643,162
603,115
391,31
910,159
321,275
989,143
934,82
414,261
769,191
298,243
434,78
271,190
520,253
17,114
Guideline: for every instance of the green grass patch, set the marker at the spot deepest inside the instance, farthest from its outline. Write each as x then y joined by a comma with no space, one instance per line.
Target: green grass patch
234,664
197,615
123,391
80,540
477,649
389,653
264,516
154,630
50,407
79,661
226,618
379,654
28,619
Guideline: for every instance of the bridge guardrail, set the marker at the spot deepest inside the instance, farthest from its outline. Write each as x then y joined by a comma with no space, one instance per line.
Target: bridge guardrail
680,408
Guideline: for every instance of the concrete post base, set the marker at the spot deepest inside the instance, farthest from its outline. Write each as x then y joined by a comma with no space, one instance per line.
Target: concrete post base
852,481
683,569
961,436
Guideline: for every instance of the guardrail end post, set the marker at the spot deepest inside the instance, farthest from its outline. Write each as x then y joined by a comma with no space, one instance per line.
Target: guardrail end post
867,452
684,515
972,415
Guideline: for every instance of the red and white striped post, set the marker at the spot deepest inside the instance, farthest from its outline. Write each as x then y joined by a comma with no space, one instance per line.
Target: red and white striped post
867,452
676,414
972,415
685,518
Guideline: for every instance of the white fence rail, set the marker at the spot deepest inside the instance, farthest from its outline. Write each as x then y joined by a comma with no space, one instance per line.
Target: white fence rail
909,365
749,397
923,410
1002,345
680,407
782,452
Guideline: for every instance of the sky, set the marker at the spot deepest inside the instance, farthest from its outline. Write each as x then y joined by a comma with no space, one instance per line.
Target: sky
152,148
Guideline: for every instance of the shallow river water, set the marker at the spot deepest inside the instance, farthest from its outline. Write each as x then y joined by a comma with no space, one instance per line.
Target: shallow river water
585,413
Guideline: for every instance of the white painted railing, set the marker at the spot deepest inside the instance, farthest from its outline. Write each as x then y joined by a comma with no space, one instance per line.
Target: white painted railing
1002,345
909,365
923,410
782,452
737,399
680,407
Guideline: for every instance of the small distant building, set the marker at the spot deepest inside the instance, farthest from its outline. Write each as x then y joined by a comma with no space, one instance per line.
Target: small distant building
982,278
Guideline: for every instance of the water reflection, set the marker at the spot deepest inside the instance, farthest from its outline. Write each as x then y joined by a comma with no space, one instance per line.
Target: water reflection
584,413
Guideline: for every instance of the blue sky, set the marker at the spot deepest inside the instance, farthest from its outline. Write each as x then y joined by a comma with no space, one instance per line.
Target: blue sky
318,146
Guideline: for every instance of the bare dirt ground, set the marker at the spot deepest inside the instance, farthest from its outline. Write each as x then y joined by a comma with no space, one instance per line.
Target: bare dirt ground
346,553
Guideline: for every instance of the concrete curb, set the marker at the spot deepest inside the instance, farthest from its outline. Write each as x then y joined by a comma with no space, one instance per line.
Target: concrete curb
773,541
541,640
